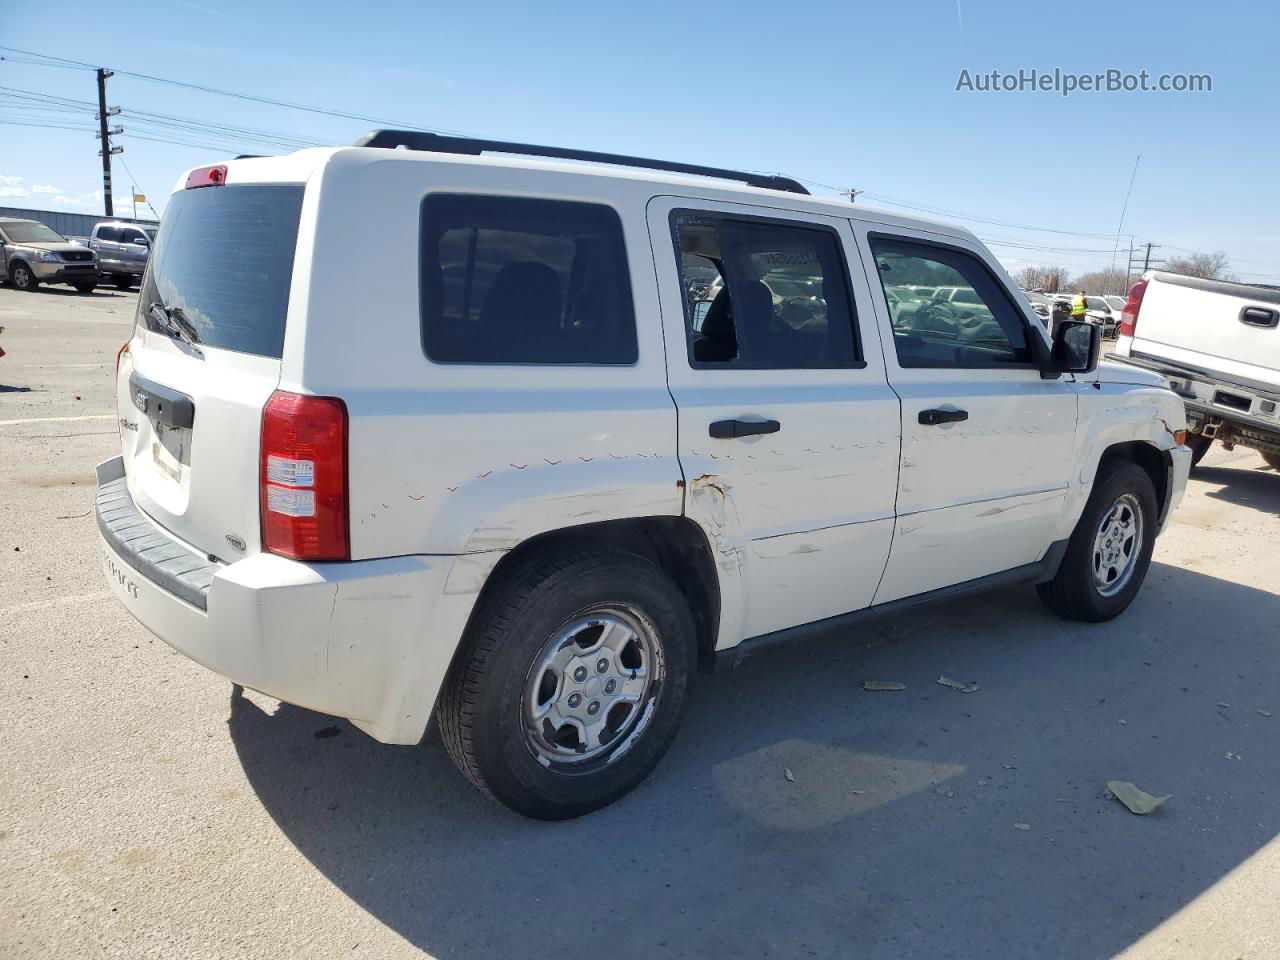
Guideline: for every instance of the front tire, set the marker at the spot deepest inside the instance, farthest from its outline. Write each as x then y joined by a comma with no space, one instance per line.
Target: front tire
22,278
85,287
1273,460
572,682
122,281
1110,549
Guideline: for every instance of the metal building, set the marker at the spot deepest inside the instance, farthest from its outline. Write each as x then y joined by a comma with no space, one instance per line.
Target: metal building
67,224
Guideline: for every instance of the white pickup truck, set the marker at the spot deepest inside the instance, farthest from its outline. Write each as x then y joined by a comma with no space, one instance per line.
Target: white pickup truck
1218,343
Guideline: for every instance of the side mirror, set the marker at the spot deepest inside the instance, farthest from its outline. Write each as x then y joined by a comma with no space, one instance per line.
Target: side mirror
141,241
1077,345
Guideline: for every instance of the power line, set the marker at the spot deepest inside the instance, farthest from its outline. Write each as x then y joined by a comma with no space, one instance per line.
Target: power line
341,114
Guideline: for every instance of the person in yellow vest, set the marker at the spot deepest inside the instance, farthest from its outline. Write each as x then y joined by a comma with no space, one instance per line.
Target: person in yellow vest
1077,306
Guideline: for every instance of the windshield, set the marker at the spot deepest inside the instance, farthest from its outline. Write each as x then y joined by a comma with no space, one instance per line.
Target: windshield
28,231
221,268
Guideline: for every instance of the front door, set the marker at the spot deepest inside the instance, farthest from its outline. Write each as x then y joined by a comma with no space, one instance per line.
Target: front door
986,442
788,430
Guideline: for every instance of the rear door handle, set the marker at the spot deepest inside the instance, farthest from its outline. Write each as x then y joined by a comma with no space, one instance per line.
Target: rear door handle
932,418
731,429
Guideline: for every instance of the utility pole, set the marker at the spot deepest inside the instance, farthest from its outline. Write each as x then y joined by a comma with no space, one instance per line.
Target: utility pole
105,136
1146,260
851,194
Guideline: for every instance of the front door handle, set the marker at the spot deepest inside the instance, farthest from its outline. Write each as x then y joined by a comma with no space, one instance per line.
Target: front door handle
931,418
731,429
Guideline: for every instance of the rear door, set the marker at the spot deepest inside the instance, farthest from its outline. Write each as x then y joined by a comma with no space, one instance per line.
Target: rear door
986,443
133,249
108,247
788,430
205,358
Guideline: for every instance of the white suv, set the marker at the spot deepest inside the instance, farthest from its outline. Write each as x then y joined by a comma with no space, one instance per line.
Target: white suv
592,428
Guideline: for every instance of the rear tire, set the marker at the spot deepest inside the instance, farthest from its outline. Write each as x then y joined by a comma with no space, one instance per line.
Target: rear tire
551,650
122,281
1199,445
22,278
1273,460
1103,568
85,287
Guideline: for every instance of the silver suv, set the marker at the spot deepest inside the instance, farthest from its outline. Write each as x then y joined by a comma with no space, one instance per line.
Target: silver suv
123,250
31,254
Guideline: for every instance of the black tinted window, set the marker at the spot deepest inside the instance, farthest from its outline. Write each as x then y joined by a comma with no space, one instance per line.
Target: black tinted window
222,265
129,236
946,307
110,234
510,280
762,294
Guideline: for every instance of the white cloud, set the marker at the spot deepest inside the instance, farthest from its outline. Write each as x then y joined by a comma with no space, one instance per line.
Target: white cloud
9,181
44,188
14,191
60,198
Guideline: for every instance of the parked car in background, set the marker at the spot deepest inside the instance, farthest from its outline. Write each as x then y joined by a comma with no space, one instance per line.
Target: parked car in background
1218,343
544,478
1042,305
1097,310
31,254
1117,306
123,250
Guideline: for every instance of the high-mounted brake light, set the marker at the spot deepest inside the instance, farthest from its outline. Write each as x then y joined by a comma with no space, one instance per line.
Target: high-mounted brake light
303,477
1129,317
207,177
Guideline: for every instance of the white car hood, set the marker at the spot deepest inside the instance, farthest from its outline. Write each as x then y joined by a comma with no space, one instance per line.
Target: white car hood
1110,371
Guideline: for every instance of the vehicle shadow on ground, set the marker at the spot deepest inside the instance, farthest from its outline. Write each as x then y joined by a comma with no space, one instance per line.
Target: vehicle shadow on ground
927,822
1256,486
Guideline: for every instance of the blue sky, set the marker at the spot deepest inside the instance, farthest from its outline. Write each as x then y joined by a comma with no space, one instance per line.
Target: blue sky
844,94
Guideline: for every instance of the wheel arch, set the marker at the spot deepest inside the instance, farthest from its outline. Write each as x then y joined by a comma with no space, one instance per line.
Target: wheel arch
675,544
1157,463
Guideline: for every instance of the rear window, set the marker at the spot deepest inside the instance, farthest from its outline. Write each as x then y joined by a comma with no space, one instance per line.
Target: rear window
222,265
514,280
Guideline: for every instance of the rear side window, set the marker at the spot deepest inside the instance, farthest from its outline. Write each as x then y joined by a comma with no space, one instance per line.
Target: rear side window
222,265
764,294
109,234
514,280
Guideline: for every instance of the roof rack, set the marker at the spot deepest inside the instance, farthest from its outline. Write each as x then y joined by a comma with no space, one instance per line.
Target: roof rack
438,143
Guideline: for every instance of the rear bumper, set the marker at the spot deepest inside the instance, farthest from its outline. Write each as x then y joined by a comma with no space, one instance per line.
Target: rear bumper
347,639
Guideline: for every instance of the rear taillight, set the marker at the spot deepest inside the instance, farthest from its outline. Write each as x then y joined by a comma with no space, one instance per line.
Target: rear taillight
303,478
1129,317
207,177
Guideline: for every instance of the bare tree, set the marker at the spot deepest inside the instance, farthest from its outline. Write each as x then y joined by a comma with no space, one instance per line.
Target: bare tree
1101,282
1048,279
1207,266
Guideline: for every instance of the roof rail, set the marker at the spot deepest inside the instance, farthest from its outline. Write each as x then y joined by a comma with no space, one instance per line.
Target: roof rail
437,143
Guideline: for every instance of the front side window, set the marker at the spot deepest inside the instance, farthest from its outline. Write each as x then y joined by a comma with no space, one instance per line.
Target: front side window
761,294
515,280
946,307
